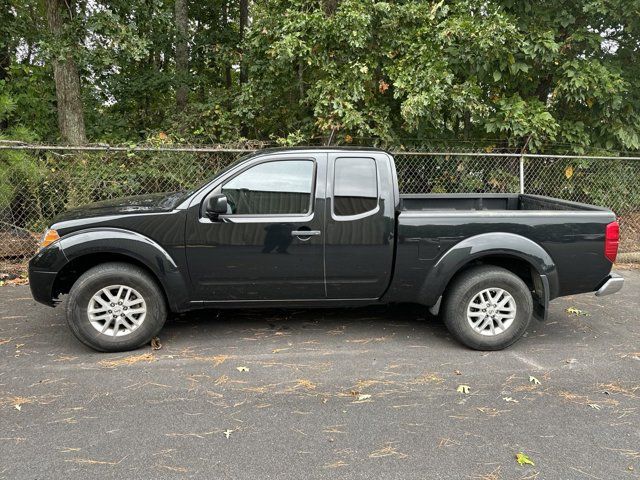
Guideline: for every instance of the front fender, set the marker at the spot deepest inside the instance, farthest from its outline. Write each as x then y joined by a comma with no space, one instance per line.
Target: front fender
476,247
136,246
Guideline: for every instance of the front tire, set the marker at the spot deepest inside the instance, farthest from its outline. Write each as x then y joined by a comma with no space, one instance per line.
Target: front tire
488,308
115,307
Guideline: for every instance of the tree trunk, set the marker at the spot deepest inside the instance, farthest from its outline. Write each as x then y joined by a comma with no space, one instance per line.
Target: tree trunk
466,133
67,80
182,53
5,51
225,25
301,79
329,7
244,19
7,47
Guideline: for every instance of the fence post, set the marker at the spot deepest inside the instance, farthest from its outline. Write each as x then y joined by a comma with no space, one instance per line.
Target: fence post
521,173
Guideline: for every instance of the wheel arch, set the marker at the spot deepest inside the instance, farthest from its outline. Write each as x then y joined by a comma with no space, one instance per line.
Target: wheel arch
86,249
516,253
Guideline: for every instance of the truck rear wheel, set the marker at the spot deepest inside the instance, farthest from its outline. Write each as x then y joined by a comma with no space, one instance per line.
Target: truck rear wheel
487,308
115,307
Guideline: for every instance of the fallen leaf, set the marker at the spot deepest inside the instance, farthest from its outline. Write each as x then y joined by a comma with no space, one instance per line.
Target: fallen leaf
130,360
568,172
155,343
363,396
534,380
576,312
462,389
227,433
509,399
523,459
242,369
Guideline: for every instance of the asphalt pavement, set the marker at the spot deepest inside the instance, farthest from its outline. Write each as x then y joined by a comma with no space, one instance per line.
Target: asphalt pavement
374,393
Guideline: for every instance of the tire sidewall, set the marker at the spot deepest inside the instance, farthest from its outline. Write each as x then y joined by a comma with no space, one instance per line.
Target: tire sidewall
92,282
456,310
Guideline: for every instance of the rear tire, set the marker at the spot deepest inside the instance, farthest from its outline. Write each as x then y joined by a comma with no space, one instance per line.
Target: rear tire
488,308
115,307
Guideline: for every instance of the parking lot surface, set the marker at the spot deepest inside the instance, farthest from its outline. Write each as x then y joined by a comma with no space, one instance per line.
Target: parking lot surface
363,393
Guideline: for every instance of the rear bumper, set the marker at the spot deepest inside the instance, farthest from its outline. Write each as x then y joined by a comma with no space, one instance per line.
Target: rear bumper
613,284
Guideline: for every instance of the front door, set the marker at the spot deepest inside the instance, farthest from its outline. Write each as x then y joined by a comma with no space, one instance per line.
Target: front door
269,245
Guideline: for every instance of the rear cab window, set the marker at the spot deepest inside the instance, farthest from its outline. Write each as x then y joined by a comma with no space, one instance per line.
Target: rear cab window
355,186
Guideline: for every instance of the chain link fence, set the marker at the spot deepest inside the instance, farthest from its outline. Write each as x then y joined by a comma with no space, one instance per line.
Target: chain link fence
37,183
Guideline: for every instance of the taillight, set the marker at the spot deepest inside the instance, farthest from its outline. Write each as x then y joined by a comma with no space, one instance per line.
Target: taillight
611,241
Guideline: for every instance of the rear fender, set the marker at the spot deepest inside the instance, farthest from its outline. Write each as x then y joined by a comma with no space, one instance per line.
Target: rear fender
492,244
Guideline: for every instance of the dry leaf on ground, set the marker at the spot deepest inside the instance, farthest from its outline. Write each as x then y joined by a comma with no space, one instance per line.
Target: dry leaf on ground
130,360
523,459
463,389
576,312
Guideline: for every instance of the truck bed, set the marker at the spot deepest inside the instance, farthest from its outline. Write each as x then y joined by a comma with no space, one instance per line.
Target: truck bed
431,225
502,202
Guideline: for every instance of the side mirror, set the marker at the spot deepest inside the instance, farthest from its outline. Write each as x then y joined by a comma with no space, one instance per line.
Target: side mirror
216,205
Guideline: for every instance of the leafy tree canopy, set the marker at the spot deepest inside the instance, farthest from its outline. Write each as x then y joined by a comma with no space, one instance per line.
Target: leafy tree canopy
536,72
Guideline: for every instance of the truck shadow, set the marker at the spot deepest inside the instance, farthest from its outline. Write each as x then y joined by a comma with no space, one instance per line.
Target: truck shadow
356,326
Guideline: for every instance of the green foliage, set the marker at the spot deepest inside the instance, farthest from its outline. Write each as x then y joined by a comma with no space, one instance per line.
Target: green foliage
518,72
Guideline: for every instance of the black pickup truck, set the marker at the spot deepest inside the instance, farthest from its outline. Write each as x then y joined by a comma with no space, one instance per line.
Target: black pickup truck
321,227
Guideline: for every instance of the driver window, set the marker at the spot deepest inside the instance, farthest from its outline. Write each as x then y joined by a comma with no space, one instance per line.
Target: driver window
272,188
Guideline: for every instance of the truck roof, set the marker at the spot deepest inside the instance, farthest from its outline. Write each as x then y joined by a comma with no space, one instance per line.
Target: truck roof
317,149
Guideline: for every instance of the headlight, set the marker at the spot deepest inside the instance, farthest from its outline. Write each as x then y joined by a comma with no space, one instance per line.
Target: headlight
48,238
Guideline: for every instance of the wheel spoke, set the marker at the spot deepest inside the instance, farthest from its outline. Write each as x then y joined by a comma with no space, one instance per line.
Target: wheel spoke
106,326
484,323
135,301
131,319
476,323
107,294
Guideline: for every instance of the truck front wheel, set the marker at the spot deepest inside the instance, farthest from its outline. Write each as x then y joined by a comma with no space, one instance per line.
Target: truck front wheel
115,307
487,308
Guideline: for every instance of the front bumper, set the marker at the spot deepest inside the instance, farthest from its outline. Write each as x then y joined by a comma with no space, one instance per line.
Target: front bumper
41,285
43,270
613,284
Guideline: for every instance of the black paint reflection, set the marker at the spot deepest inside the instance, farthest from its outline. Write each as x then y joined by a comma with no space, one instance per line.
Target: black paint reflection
278,238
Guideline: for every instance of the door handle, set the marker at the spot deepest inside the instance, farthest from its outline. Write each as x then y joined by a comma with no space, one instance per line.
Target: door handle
305,233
